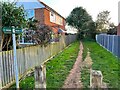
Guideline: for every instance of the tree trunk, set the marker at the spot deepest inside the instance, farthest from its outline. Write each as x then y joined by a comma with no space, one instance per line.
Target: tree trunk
8,42
2,40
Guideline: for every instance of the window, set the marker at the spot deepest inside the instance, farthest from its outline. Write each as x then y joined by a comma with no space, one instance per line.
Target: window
55,18
52,17
51,14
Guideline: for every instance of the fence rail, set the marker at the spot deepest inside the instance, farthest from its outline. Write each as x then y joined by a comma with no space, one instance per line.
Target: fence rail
110,42
28,58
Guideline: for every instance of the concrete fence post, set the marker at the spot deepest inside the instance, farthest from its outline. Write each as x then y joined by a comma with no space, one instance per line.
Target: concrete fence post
40,77
96,79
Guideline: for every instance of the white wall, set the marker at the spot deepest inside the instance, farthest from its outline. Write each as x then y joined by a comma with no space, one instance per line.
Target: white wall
71,29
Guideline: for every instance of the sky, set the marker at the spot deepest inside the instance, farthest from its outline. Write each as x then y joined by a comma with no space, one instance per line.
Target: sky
93,7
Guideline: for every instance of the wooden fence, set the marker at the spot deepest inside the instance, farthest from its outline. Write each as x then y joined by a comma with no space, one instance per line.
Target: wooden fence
28,58
109,42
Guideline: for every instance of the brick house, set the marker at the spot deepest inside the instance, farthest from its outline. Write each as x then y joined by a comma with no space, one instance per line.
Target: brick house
44,14
118,29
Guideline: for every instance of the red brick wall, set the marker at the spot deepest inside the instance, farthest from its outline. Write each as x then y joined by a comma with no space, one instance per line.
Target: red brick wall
43,16
39,15
118,30
64,23
47,19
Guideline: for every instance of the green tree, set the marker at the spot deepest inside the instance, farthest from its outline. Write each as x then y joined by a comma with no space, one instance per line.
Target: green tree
11,16
81,20
112,29
32,23
103,21
41,36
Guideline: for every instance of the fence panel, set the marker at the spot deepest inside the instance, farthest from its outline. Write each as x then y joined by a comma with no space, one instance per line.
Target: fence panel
110,42
28,58
118,46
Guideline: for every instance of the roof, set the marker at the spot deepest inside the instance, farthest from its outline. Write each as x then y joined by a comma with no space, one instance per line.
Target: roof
46,6
35,4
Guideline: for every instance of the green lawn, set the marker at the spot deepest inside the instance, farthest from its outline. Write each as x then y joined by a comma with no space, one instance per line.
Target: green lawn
57,69
104,61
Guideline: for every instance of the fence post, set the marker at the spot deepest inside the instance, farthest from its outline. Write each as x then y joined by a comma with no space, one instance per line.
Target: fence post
118,44
40,77
96,38
96,79
113,43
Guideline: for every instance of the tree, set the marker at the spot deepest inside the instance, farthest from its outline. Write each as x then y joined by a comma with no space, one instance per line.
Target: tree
103,21
112,29
81,20
32,23
41,36
11,16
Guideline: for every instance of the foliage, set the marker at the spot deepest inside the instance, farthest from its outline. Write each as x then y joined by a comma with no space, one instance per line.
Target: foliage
90,30
85,77
103,21
15,16
78,17
112,29
105,62
32,23
81,20
40,36
11,16
57,69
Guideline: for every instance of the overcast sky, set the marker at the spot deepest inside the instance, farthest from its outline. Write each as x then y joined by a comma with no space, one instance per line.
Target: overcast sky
64,7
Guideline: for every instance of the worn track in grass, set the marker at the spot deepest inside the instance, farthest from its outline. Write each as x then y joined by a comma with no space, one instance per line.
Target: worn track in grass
73,80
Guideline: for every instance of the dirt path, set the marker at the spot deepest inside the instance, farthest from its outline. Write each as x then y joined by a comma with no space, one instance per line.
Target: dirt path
73,79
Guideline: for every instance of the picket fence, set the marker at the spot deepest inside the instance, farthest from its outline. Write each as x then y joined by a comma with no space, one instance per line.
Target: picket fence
28,58
110,42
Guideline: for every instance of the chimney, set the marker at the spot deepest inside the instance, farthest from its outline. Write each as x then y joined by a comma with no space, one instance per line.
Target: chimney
118,29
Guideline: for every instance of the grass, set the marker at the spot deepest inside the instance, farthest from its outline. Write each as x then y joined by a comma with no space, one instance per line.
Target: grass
85,77
57,69
104,61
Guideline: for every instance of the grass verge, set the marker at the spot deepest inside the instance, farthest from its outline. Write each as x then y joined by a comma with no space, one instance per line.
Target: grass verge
57,69
104,61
